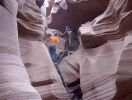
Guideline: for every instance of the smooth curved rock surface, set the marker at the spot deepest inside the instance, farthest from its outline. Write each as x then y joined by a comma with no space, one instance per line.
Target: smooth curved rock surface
35,55
14,80
104,72
104,68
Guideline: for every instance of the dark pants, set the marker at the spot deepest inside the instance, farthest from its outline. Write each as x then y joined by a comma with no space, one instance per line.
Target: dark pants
52,51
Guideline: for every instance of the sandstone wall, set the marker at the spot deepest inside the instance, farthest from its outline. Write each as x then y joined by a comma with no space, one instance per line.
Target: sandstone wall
103,64
35,55
77,13
14,80
113,24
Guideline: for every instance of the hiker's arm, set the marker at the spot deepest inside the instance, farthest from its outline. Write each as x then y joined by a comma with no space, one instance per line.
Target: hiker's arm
57,40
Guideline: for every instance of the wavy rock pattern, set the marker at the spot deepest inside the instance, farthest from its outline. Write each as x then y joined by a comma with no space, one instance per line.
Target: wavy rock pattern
35,55
104,72
77,13
104,68
113,24
14,80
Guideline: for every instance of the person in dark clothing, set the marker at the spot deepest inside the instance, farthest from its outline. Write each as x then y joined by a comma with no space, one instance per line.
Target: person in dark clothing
71,36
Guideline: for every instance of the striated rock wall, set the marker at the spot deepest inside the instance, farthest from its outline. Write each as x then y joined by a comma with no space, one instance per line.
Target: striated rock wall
22,38
103,64
113,24
35,55
77,13
14,80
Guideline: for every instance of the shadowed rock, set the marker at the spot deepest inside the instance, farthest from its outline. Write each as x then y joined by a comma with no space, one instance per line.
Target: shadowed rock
104,68
77,13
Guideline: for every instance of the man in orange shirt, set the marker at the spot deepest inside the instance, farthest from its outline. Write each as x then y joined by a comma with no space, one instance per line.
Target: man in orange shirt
52,46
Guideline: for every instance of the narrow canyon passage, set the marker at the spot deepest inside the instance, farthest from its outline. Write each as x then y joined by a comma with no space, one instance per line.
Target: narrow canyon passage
65,49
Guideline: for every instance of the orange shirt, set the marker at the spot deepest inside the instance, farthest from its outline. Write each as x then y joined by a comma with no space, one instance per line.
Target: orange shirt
53,39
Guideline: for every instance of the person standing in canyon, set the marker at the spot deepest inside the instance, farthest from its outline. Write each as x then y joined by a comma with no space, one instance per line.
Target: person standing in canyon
53,41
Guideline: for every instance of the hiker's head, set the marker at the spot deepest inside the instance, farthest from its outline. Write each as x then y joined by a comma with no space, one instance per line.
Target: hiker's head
55,33
70,29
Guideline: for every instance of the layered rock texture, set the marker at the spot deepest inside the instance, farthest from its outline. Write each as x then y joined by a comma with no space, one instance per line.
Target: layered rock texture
36,67
35,55
99,70
113,24
14,80
103,65
78,12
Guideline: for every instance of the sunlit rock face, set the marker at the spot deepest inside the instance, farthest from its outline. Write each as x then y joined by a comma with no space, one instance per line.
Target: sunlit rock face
78,12
103,64
14,80
35,55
